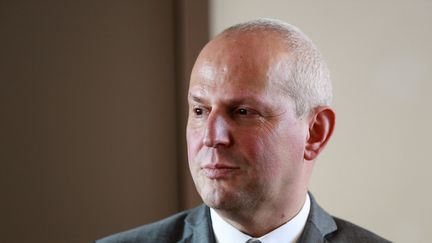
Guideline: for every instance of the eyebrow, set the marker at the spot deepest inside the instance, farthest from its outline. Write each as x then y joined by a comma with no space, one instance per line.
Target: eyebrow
195,98
234,100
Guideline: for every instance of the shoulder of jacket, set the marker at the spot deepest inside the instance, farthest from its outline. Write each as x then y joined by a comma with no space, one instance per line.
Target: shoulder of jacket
165,230
349,232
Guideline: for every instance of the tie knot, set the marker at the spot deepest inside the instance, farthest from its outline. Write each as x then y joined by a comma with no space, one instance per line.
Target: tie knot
252,240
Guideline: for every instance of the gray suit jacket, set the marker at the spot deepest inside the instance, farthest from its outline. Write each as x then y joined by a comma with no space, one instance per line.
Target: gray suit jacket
194,226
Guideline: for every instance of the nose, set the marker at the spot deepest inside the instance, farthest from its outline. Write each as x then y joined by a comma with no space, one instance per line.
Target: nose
217,131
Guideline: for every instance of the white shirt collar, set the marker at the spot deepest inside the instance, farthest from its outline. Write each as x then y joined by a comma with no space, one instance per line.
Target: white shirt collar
286,233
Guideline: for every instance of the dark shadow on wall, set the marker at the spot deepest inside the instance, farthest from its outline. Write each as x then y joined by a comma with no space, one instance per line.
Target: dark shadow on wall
90,98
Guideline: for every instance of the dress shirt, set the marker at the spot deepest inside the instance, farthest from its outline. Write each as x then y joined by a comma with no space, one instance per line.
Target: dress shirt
286,233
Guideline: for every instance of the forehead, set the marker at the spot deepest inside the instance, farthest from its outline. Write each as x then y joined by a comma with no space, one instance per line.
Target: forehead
243,62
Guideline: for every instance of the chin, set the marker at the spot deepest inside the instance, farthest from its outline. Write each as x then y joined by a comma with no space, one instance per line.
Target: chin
223,200
221,205
218,199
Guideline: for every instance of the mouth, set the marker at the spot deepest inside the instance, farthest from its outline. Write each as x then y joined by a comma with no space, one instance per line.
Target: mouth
219,171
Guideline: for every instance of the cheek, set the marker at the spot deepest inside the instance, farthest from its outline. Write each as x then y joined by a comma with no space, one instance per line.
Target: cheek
278,149
194,142
256,147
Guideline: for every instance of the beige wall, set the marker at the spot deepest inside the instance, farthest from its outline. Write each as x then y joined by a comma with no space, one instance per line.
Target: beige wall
376,170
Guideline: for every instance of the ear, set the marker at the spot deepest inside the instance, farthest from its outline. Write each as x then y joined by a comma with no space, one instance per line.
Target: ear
321,127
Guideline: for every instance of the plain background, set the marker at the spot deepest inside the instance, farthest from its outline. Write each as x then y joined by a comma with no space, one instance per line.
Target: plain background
376,169
91,105
92,108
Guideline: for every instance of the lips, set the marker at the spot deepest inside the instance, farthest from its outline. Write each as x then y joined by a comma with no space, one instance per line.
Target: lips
219,171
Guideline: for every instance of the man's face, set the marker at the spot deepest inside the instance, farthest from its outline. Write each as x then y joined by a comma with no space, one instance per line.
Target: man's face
245,142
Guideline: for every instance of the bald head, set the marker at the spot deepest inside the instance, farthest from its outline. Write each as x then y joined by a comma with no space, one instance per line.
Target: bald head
291,61
250,57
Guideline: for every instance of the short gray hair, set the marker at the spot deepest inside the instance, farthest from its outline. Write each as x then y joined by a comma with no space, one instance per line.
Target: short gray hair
308,82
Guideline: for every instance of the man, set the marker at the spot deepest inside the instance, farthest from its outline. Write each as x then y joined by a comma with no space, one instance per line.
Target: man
259,116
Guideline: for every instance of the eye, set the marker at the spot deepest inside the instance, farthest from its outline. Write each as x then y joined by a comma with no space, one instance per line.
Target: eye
198,111
242,111
245,112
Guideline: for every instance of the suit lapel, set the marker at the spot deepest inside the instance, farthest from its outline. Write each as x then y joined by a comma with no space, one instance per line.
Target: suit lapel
319,224
198,227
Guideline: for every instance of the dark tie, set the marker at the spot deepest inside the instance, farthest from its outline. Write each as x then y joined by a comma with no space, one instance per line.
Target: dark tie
252,240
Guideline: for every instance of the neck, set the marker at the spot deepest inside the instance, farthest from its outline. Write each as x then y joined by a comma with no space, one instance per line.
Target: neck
265,217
